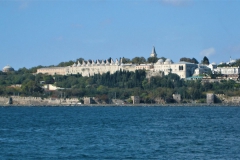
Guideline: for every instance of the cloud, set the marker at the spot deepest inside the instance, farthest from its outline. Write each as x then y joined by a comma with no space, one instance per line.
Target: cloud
208,52
176,2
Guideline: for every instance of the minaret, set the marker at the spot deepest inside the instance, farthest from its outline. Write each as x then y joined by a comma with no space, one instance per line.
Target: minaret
153,54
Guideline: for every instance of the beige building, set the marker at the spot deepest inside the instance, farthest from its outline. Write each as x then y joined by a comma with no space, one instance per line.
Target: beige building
183,69
52,70
144,67
88,100
89,68
135,99
228,70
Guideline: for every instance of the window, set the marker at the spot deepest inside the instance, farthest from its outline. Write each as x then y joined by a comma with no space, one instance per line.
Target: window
180,68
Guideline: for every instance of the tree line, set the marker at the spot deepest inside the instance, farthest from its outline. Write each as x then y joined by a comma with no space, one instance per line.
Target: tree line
121,84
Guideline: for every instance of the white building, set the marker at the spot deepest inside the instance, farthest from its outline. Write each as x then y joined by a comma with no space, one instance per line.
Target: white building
183,69
228,70
202,69
89,68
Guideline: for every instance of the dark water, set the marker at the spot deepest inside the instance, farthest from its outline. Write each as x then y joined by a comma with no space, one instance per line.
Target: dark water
120,133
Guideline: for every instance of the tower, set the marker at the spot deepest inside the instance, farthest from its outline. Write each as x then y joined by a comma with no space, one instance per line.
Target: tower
153,54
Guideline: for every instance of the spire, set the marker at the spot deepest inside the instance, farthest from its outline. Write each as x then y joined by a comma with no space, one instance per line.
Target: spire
153,54
153,50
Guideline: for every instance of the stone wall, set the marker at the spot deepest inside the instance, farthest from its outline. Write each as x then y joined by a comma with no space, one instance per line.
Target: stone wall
183,69
38,101
4,100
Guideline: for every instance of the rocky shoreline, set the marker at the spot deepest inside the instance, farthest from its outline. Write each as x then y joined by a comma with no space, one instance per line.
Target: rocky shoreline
124,105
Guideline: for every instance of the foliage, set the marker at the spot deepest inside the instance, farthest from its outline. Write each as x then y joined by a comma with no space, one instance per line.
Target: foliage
193,60
64,64
152,59
126,60
205,60
121,84
138,60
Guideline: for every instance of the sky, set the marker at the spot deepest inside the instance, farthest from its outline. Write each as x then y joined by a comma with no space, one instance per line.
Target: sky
47,32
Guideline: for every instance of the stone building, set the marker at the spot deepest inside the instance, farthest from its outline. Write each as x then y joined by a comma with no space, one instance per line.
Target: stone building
177,97
88,100
210,98
183,69
52,70
144,67
89,68
7,69
135,99
202,69
228,70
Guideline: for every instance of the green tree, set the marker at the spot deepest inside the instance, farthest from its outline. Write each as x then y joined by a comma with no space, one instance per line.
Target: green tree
126,60
193,60
48,79
152,59
138,60
205,60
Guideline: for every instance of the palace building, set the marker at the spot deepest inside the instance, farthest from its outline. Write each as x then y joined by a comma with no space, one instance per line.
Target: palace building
89,68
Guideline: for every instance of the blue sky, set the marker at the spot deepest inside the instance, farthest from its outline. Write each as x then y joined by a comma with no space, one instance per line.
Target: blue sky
44,32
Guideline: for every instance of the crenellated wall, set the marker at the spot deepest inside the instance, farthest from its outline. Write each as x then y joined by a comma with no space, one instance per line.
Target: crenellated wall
38,100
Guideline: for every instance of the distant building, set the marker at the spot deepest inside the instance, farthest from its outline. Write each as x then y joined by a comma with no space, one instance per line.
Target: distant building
212,66
87,100
182,69
177,97
210,98
236,99
144,67
202,69
50,87
135,99
194,78
89,68
228,70
7,69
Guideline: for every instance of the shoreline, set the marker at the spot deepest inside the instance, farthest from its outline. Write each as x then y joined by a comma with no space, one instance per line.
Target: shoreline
125,105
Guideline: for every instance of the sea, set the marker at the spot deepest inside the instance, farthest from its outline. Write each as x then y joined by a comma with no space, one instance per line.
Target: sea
120,132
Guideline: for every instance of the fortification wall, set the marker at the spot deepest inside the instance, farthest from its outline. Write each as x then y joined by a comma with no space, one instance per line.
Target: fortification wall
4,100
38,101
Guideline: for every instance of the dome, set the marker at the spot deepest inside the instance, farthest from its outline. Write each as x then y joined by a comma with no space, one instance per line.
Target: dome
160,61
168,61
7,69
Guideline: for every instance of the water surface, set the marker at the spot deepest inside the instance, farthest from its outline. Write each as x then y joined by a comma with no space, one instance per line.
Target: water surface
119,132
